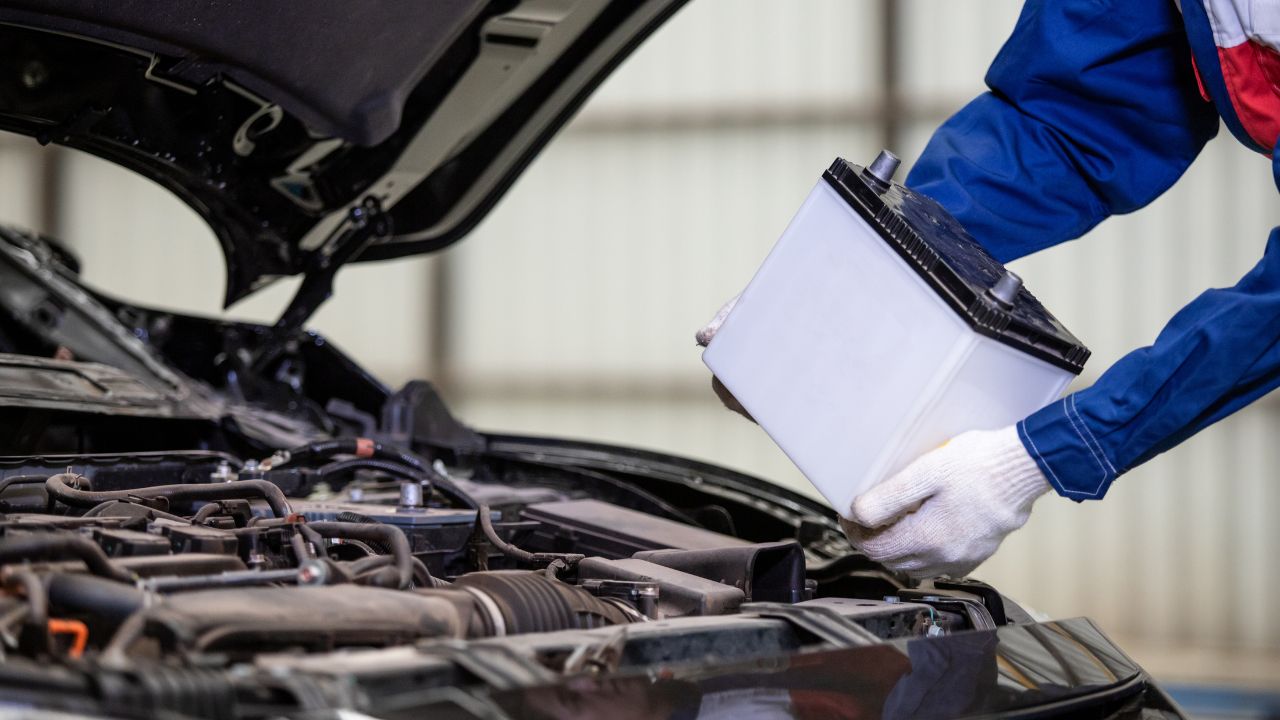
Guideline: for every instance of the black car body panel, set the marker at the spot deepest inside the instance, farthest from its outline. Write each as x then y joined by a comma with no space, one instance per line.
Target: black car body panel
425,111
343,75
1065,666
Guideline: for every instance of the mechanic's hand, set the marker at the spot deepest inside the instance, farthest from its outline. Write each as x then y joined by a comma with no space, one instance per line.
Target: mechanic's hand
703,337
949,510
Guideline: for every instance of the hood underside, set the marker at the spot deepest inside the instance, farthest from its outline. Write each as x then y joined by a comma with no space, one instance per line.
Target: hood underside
317,133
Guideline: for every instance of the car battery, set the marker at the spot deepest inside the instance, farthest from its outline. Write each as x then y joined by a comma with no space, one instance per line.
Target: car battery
877,329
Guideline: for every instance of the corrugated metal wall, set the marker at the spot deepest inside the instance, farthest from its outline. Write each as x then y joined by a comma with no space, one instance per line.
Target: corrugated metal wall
572,308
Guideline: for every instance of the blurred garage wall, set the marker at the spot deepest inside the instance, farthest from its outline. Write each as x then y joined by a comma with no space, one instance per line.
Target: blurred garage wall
571,310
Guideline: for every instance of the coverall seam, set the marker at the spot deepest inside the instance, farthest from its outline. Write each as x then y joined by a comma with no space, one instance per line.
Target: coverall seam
1062,490
1067,414
1076,411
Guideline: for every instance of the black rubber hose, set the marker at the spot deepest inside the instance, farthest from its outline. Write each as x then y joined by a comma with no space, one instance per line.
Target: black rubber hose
339,573
203,514
355,517
111,601
368,563
422,576
300,550
389,535
60,488
101,510
23,548
312,536
37,599
6,483
374,570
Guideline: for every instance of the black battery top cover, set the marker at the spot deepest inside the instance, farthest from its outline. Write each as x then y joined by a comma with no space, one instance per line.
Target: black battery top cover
936,246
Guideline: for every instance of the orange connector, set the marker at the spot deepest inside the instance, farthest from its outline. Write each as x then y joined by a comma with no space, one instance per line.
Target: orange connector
76,629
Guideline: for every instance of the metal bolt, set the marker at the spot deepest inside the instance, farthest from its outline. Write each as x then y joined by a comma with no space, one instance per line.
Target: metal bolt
223,473
1005,291
250,470
884,167
410,494
312,572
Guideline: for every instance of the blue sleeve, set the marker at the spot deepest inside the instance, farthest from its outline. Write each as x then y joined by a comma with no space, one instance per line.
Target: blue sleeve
1094,110
1218,354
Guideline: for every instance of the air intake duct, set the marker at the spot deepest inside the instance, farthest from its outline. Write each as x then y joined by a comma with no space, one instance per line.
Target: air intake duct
512,602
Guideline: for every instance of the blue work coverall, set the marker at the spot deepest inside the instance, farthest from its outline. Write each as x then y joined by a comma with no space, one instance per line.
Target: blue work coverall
1094,109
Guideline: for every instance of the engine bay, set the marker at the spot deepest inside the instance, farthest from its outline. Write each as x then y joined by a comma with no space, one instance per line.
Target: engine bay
201,584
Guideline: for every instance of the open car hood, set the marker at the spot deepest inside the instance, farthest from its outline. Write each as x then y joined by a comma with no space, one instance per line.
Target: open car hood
312,134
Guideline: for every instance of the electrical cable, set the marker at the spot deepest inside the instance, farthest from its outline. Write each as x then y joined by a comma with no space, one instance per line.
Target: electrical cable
337,467
369,449
519,554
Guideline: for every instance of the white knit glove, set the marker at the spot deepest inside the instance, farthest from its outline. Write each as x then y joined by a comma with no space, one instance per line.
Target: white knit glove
949,510
709,330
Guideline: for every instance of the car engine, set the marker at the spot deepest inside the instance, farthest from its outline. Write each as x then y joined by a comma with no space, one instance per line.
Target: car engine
200,584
